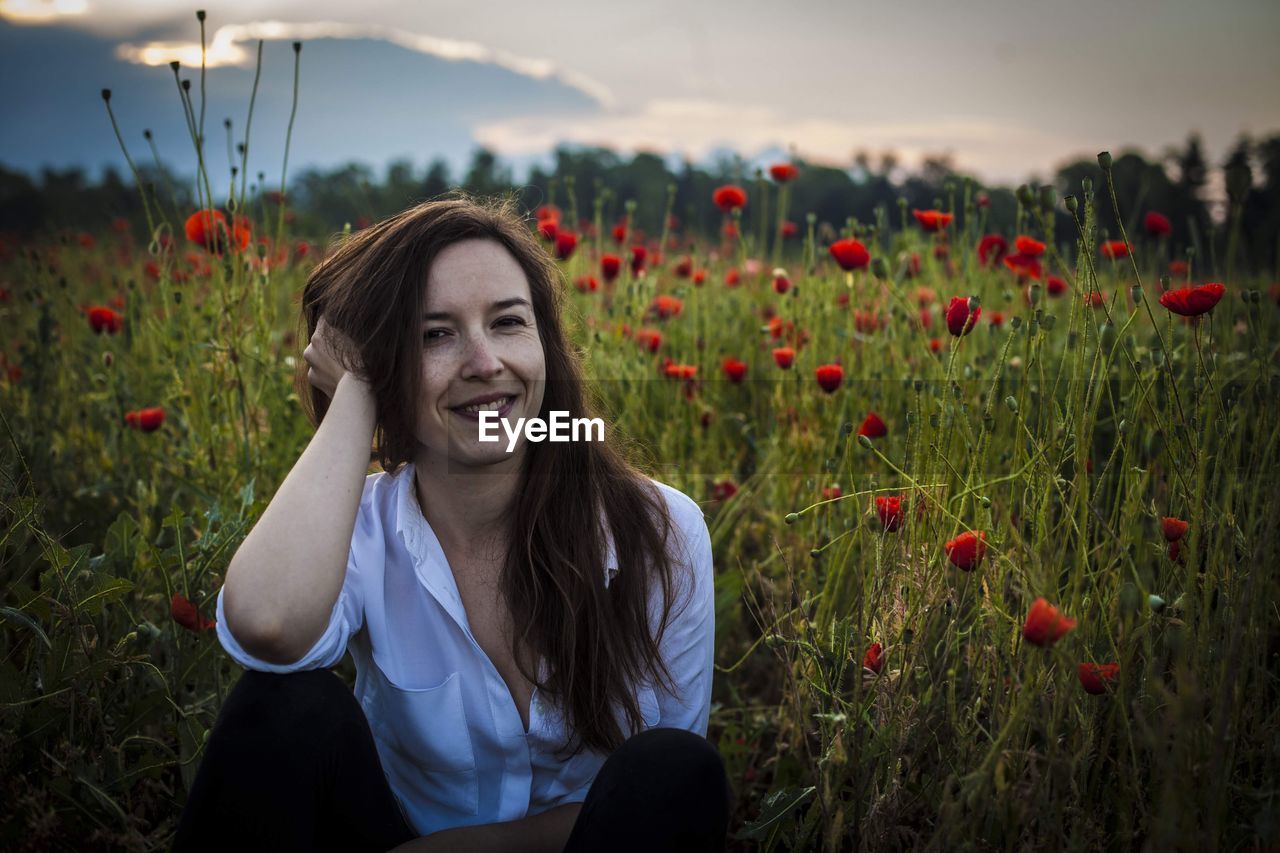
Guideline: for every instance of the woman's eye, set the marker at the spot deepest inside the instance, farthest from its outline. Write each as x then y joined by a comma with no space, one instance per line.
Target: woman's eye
434,334
511,321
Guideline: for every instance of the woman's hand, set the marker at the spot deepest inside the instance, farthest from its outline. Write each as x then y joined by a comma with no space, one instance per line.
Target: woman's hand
324,369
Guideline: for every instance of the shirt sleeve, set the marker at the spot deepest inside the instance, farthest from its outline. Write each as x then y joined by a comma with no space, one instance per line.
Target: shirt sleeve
688,645
345,620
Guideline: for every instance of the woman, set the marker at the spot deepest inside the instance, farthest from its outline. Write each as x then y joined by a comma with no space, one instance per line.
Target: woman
532,630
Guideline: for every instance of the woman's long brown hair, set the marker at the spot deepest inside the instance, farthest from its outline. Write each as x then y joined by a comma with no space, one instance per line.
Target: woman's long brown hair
595,640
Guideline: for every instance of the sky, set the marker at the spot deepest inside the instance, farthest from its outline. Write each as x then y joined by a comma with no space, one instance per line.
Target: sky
1008,88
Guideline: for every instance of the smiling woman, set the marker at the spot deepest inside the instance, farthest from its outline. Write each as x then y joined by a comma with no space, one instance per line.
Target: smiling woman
532,625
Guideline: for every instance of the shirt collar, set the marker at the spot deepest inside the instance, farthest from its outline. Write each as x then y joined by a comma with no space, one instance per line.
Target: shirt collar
417,535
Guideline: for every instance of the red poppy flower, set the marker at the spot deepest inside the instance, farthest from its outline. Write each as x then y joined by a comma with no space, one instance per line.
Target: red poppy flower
586,284
866,322
850,254
732,277
935,345
145,420
873,426
683,267
784,172
1094,677
967,550
1175,551
547,211
1094,298
673,370
788,230
829,376
889,508
566,242
1028,246
1114,249
960,317
549,228
638,256
185,614
649,339
1179,267
1056,286
784,357
831,492
1192,301
933,220
734,369
874,658
666,307
699,276
997,319
1026,266
202,227
103,319
620,233
723,490
1045,624
1173,528
781,284
729,197
991,249
1157,224
610,266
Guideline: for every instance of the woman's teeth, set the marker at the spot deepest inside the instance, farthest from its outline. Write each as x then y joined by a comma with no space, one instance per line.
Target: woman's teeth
492,406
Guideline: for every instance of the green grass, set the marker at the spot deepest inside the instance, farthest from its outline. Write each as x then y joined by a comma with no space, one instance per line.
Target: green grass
969,737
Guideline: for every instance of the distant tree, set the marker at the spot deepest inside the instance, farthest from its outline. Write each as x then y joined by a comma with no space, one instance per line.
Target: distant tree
437,179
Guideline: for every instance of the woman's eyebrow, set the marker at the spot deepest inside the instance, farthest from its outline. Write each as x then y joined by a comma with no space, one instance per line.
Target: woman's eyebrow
500,305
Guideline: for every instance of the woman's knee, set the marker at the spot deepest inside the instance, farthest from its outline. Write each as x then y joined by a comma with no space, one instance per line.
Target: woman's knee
285,707
682,759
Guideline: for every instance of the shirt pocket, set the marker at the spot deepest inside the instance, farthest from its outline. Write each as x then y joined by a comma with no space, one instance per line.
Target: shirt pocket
427,729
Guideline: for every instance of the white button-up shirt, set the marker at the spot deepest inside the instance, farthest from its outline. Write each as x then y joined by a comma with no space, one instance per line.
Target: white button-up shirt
447,730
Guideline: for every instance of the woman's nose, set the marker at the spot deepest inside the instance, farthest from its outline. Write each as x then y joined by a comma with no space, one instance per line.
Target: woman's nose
481,359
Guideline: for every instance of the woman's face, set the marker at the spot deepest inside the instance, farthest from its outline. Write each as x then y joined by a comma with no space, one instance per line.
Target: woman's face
480,347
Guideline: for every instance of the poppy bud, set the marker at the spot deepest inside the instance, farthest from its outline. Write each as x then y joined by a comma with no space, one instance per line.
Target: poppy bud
200,15
106,95
1104,160
1072,203
791,518
865,441
1025,196
1086,184
1156,602
1011,403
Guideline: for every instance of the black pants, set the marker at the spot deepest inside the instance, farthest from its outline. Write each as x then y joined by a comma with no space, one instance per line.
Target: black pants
291,765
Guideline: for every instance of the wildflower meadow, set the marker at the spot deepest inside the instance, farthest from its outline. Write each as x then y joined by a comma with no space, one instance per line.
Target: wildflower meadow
993,509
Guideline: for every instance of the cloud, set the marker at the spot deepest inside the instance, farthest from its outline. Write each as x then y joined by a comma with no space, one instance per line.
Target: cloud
225,48
697,128
41,11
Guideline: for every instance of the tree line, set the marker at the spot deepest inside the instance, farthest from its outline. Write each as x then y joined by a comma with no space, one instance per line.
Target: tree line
322,201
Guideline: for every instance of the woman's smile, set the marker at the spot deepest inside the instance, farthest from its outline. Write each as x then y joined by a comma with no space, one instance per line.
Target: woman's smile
497,402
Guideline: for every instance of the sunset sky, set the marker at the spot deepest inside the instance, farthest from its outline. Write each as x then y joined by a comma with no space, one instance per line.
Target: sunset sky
1009,89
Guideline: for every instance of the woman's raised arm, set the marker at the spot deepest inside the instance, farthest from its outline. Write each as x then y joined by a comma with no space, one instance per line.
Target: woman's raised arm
285,578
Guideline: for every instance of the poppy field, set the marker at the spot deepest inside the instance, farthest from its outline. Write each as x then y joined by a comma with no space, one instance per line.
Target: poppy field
993,513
